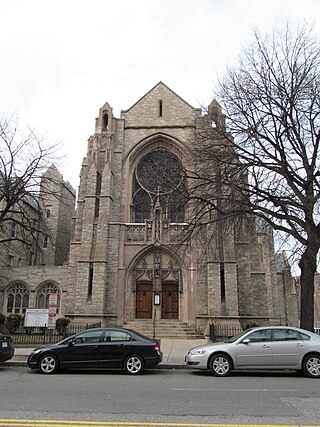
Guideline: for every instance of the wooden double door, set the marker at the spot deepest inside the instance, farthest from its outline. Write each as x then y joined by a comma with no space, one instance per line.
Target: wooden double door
169,301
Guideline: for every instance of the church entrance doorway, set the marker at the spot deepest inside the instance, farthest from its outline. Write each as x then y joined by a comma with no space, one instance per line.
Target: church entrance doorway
170,301
157,286
144,301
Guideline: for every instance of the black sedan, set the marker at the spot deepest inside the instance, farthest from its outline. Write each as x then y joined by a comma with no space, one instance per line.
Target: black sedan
100,348
6,348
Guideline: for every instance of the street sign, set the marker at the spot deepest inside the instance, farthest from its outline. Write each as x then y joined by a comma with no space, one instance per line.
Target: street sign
52,311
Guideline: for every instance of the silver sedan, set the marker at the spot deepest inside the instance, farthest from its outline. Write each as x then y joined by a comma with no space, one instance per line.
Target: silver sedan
268,347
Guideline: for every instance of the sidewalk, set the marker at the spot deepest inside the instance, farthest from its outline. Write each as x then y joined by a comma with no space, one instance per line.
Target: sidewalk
174,351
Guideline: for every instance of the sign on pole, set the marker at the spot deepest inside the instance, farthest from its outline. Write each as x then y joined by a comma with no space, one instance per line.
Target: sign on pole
52,314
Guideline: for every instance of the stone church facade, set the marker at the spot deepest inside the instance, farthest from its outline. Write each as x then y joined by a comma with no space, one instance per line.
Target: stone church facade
125,264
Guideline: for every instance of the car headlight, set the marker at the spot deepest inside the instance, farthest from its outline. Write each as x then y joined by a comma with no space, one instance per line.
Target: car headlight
36,351
197,351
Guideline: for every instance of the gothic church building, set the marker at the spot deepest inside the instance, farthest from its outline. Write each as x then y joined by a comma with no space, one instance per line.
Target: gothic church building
124,265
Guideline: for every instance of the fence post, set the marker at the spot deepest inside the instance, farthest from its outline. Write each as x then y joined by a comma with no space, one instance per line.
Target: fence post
44,334
154,323
211,331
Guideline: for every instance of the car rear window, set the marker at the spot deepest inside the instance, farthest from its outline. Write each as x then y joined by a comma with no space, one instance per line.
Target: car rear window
304,337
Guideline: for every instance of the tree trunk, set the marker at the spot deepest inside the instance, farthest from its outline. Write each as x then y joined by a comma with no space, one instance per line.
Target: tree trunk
308,266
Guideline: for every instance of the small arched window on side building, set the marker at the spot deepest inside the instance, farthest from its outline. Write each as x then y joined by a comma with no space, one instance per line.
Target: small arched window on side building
44,292
105,120
17,299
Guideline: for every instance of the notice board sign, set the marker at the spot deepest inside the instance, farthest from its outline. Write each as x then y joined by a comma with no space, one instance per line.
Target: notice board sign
36,317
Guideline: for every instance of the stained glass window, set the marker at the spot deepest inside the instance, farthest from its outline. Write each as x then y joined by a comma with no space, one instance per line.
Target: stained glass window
159,177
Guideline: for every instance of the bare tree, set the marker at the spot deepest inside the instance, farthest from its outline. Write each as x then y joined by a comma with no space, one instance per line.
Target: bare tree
269,167
23,160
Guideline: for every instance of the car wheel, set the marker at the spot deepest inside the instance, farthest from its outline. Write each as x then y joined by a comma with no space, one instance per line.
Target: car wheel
311,365
220,365
48,364
134,365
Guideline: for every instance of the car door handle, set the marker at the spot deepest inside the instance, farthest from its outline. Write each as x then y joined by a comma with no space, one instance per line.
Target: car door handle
266,346
299,344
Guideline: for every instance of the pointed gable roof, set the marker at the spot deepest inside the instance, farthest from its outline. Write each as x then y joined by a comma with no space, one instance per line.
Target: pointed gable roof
158,85
159,108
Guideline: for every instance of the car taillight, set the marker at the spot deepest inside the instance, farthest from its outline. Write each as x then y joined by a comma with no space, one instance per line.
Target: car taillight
156,347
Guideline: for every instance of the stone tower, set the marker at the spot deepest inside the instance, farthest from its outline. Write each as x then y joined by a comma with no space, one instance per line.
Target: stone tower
57,199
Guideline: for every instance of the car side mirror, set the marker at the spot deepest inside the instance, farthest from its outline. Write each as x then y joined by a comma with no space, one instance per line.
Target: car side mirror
71,343
246,341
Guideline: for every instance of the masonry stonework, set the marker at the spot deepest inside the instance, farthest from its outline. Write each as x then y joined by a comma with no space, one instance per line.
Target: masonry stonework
124,263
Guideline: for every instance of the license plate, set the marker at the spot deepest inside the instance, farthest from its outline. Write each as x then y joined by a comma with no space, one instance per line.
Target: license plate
4,344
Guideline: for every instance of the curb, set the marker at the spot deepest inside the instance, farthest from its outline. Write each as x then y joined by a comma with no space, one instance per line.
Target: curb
160,366
14,363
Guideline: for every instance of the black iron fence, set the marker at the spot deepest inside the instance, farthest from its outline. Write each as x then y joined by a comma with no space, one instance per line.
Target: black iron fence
222,332
41,335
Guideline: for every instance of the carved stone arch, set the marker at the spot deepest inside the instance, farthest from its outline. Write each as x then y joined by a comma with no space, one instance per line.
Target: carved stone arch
18,281
149,250
152,142
147,275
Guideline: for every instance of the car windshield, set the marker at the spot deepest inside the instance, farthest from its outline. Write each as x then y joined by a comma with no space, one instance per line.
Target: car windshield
235,337
66,340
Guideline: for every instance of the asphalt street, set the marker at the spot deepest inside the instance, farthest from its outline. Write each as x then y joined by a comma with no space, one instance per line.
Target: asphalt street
170,396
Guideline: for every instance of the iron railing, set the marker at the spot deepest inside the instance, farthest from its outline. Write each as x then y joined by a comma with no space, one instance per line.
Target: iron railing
42,335
222,332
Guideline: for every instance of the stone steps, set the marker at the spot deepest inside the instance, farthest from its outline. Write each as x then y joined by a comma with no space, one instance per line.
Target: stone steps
164,329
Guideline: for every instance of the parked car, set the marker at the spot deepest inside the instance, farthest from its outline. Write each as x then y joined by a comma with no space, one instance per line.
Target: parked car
269,347
99,348
6,348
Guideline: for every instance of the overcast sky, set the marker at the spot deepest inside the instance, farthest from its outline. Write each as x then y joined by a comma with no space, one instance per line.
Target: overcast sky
62,60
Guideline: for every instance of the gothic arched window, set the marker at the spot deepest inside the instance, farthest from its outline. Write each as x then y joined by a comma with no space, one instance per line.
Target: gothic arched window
158,177
141,205
18,299
176,204
105,118
43,295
